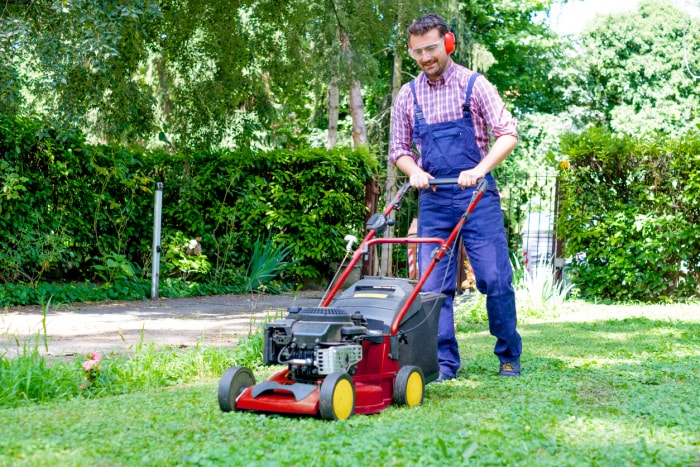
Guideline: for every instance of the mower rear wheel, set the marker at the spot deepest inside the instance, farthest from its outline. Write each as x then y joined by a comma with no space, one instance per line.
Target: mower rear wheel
234,381
409,386
336,398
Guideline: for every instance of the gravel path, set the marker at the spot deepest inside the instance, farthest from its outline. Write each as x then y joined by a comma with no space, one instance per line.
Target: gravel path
107,326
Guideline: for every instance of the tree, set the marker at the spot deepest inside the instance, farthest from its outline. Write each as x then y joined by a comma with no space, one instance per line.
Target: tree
634,72
226,85
507,41
126,71
77,59
356,104
243,73
13,35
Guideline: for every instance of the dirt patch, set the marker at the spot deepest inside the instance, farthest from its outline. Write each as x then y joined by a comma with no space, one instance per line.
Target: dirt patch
107,326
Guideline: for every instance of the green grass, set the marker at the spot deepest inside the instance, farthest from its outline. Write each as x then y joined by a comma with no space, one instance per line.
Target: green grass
601,385
31,377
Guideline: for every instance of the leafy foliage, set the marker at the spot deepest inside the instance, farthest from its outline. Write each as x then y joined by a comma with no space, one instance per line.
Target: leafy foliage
183,256
78,58
631,206
632,72
524,51
175,74
71,209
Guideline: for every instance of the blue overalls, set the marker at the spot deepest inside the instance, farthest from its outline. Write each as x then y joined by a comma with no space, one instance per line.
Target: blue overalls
448,148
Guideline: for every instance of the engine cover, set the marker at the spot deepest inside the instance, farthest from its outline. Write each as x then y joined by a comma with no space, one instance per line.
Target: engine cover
315,342
340,358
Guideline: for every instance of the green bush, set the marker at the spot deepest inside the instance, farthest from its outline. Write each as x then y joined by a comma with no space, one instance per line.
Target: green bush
71,212
632,206
307,199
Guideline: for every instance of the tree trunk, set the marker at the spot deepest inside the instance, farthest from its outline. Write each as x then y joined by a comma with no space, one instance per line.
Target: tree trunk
359,131
357,112
357,105
390,188
164,90
333,105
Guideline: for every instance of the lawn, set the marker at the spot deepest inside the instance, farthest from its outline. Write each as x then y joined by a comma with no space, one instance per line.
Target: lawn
601,385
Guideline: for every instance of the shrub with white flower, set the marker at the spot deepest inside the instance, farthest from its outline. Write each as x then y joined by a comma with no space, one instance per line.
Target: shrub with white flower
194,247
183,256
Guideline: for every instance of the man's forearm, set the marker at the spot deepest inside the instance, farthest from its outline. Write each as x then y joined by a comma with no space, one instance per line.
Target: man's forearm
408,165
500,149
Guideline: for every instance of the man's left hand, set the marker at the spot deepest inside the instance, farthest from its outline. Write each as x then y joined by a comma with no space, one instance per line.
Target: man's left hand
470,177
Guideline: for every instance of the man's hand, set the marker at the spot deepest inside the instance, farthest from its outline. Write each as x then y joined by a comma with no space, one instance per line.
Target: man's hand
420,179
417,177
470,177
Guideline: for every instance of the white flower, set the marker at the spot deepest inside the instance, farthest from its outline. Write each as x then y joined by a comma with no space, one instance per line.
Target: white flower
193,244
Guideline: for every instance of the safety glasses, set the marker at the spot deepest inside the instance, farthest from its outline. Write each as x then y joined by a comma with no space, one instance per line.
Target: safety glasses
427,50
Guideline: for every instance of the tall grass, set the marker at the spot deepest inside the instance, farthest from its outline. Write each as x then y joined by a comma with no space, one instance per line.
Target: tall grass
267,262
31,377
538,292
538,295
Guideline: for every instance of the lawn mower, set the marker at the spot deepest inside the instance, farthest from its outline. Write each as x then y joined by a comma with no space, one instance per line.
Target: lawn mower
358,351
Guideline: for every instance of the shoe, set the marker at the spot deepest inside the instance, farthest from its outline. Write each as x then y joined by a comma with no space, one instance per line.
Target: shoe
510,368
443,377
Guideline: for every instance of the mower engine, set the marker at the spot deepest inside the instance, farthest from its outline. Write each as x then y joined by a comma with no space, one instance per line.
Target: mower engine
315,342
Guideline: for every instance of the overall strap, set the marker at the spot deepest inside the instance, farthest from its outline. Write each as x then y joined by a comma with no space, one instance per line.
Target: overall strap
470,86
418,111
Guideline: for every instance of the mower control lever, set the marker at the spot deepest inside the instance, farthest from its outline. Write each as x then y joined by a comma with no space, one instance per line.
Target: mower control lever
377,222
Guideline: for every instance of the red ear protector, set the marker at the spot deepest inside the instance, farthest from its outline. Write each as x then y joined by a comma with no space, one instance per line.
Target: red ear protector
449,42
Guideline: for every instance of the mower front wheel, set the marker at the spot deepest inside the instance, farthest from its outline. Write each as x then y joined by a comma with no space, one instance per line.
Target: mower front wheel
232,384
409,386
336,398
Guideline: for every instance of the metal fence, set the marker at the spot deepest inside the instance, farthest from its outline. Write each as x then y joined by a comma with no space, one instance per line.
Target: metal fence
529,204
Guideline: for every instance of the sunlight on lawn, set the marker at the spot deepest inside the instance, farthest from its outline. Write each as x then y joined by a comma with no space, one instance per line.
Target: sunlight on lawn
634,434
577,311
600,362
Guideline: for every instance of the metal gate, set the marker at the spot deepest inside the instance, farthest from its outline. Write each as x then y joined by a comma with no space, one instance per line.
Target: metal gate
529,204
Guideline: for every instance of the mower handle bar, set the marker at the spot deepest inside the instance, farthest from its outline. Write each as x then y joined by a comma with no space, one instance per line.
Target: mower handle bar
481,187
481,183
443,181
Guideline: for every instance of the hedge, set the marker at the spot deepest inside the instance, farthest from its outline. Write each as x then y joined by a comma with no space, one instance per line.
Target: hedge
67,207
630,210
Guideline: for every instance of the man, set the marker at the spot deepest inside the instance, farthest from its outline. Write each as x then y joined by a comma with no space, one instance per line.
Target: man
448,112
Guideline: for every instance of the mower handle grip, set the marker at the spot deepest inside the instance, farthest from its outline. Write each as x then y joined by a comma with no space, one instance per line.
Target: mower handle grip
481,184
442,181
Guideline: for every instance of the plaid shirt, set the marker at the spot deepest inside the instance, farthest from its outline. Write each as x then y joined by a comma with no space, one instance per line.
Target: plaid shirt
442,101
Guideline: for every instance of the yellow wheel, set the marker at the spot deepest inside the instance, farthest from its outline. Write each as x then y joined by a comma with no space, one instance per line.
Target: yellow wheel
409,386
336,398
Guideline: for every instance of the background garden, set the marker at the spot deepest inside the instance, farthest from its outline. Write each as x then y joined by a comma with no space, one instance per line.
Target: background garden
267,124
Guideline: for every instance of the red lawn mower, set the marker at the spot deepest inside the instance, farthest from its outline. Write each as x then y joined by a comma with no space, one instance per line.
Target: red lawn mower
374,344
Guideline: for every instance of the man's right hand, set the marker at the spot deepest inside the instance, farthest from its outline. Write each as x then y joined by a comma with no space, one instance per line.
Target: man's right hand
420,179
417,177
